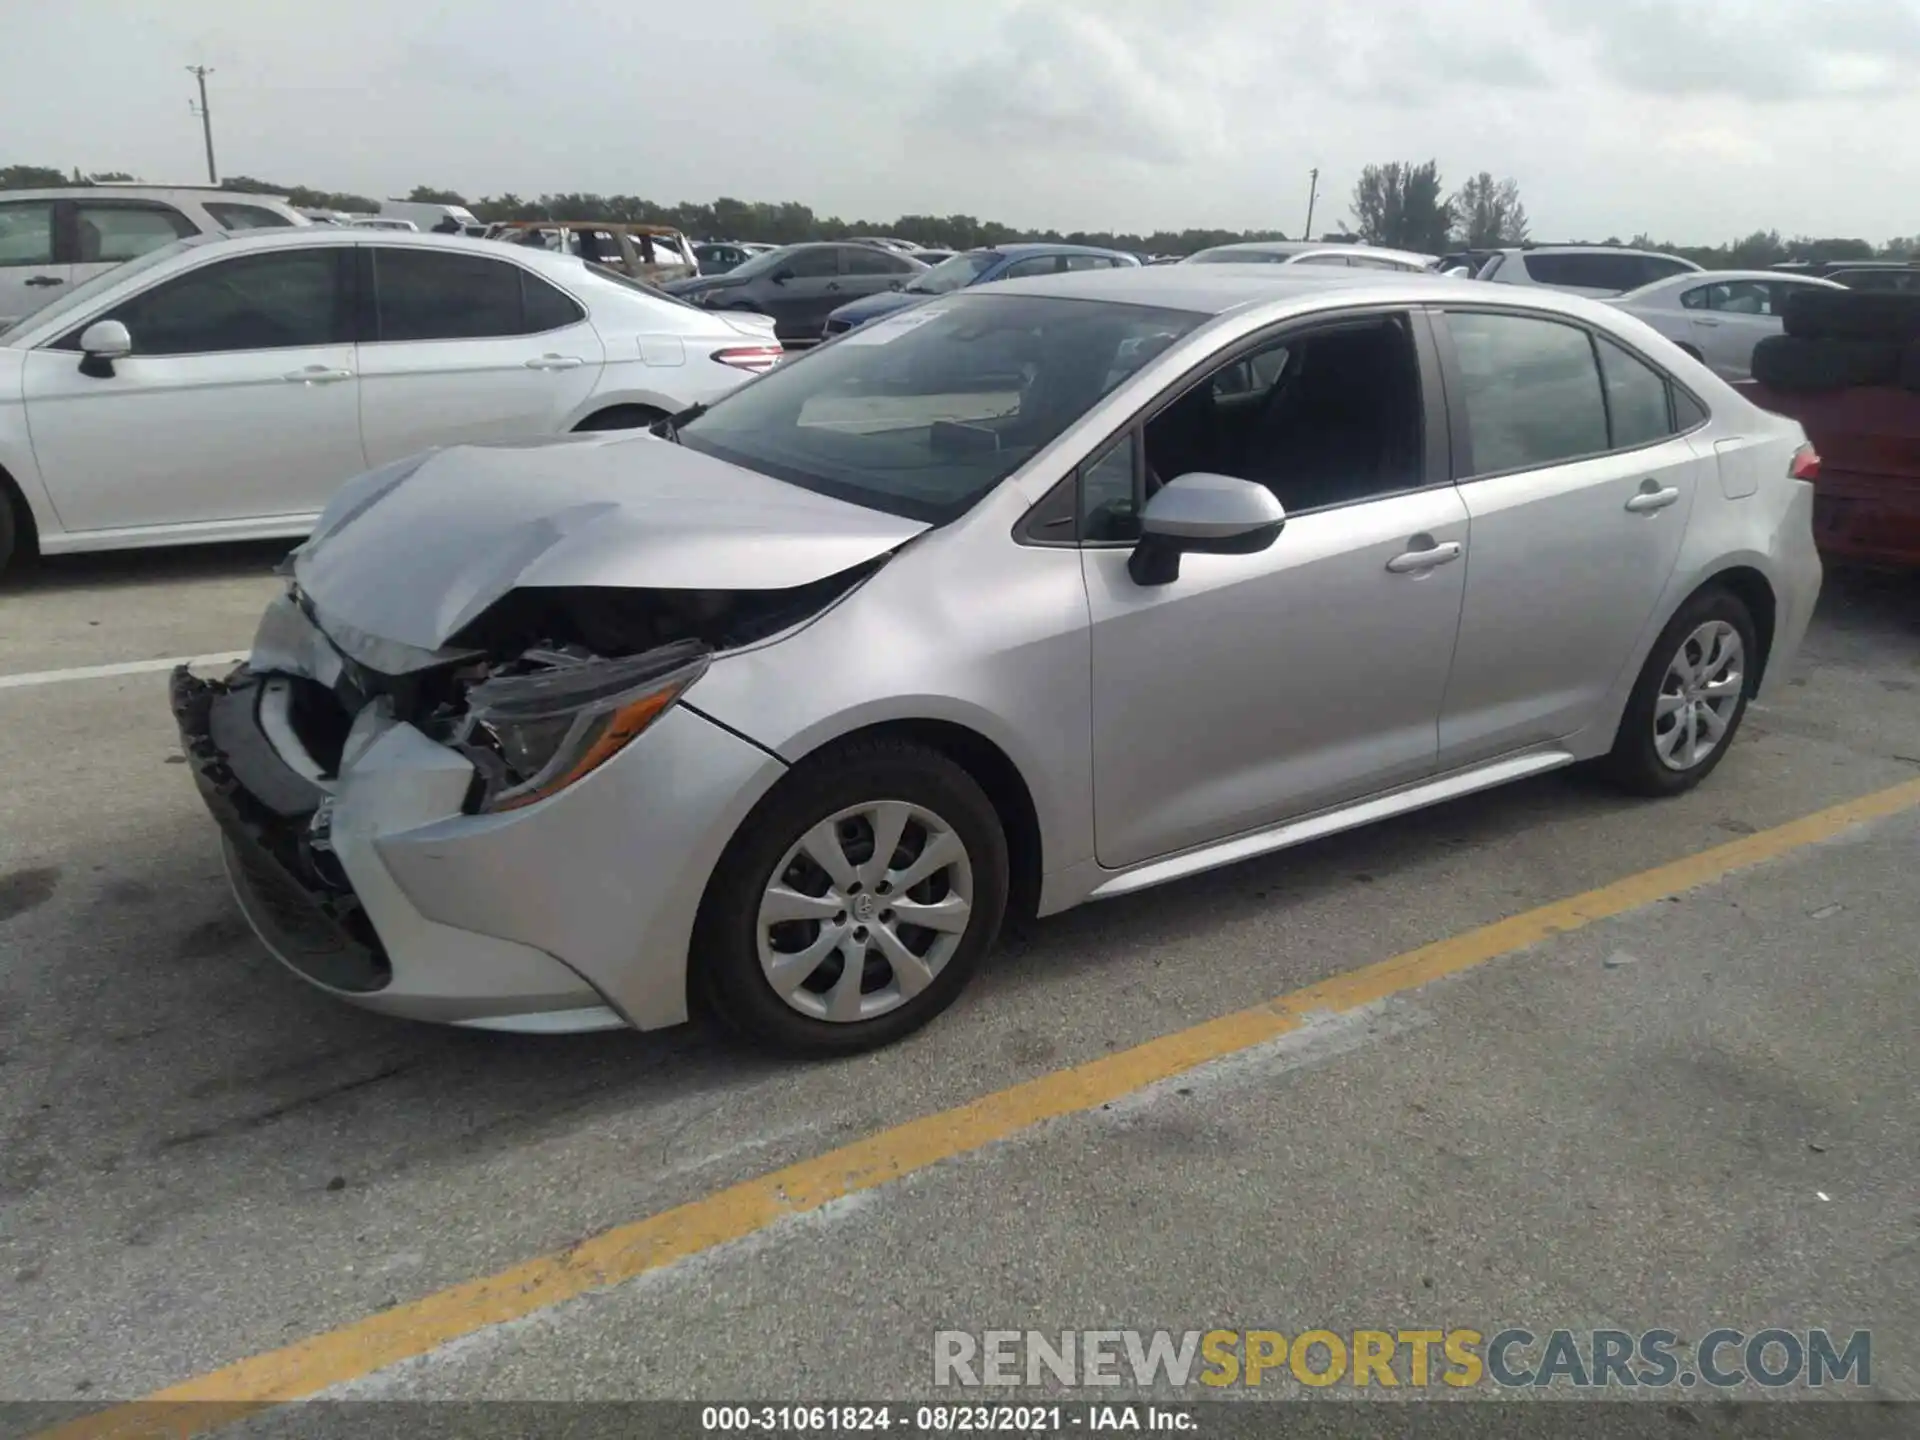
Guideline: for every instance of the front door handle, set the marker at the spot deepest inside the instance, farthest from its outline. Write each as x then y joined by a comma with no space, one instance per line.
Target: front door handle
1703,321
37,280
1648,501
317,375
555,362
833,285
1416,562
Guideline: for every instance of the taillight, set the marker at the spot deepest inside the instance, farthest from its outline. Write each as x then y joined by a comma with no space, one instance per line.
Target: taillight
757,358
1806,464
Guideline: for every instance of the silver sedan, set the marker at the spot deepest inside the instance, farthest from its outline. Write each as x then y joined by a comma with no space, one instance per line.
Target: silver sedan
1718,316
1041,593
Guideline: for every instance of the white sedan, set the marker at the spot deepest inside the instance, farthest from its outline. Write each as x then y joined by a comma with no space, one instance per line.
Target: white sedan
222,388
1718,316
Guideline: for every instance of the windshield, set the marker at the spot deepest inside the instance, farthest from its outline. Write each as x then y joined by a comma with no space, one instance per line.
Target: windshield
954,274
923,412
84,293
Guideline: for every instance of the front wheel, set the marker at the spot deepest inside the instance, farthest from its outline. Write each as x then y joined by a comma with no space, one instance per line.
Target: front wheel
1689,700
855,903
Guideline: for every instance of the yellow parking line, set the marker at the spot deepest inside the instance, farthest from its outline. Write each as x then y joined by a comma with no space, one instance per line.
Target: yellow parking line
363,1346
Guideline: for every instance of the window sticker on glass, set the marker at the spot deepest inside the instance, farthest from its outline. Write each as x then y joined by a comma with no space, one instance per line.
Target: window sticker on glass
882,332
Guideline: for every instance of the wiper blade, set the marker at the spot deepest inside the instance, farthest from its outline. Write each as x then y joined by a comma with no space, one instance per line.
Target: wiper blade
668,428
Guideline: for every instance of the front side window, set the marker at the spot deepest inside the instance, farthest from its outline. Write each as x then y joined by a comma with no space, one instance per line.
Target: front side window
112,233
822,264
1109,503
1700,297
284,300
1532,391
1596,270
923,412
230,216
1321,418
1636,397
26,232
1088,262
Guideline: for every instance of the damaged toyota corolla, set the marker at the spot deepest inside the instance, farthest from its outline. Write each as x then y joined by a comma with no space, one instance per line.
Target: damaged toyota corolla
775,711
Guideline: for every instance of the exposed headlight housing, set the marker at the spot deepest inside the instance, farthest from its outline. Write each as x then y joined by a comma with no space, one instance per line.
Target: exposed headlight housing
533,734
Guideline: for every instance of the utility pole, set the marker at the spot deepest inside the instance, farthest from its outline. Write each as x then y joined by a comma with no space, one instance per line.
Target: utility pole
200,73
1313,190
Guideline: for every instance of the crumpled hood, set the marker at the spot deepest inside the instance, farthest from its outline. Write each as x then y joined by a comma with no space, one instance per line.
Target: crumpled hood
415,555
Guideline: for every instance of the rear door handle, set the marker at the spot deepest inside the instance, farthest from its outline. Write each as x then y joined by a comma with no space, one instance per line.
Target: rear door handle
45,280
1709,324
1415,562
555,362
1648,501
317,375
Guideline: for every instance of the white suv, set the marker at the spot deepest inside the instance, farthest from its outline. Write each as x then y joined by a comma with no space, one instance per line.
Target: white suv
1597,270
51,240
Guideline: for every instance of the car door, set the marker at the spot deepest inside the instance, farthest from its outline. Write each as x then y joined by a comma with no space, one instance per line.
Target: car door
1579,488
238,403
1254,688
1737,316
467,347
802,291
30,275
872,272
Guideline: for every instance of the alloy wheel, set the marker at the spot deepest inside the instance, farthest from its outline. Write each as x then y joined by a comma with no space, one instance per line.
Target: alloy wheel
1699,695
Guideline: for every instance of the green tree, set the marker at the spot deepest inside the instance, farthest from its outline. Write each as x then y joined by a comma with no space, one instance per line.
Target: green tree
1488,212
427,195
31,177
1403,205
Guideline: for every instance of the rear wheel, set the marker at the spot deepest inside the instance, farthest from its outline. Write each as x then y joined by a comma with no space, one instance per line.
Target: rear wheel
856,902
1689,700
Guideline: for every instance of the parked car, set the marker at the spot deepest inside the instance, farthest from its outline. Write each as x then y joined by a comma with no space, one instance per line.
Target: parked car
902,247
221,389
1596,270
382,222
976,267
653,253
833,677
1718,316
718,259
54,240
1886,279
1302,252
800,285
1848,370
435,219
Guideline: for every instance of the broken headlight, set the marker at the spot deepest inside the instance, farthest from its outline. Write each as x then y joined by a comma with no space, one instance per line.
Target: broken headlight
564,714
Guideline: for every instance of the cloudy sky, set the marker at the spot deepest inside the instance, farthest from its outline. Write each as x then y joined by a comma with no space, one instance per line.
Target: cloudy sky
1694,120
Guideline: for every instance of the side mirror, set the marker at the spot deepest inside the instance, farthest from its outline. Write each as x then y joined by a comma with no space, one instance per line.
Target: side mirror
781,276
104,342
1202,514
893,284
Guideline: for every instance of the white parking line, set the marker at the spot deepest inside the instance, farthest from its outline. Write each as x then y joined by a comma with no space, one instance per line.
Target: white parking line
107,672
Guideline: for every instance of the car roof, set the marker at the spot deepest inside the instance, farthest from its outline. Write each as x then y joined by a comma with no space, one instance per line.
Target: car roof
1688,279
1218,289
1313,247
117,191
1048,247
1583,250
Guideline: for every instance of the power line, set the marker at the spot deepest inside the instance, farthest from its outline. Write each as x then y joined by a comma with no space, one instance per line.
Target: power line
200,73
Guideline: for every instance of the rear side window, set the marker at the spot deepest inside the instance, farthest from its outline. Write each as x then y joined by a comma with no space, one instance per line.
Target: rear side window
26,232
1088,262
283,300
112,233
813,264
1595,271
1032,265
1532,391
1636,397
431,295
244,217
876,262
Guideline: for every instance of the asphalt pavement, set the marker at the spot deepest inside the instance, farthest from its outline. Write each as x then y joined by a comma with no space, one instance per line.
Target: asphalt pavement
1696,1112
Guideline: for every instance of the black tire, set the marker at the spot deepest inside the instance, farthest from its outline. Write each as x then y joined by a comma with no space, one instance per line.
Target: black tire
1691,352
622,417
9,532
1910,367
1852,315
1634,764
1783,362
726,978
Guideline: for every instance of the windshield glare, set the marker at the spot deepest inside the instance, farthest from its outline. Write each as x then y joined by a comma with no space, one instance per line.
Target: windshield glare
954,274
84,293
923,412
